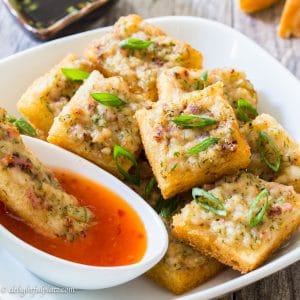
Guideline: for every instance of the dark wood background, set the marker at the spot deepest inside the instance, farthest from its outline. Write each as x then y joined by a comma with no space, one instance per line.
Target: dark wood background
261,27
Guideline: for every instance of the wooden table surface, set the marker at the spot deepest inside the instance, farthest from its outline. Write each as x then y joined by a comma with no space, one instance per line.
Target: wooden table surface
260,27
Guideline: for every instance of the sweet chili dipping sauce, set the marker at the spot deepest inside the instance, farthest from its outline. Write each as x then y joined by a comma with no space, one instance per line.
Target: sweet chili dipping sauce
117,236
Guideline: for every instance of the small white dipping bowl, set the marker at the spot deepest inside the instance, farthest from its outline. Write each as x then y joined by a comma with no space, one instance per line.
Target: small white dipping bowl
69,274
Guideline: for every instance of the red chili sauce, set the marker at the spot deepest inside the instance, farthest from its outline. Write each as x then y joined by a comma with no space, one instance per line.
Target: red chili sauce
117,236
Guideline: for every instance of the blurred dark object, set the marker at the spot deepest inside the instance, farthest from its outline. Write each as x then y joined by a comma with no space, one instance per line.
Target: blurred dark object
45,18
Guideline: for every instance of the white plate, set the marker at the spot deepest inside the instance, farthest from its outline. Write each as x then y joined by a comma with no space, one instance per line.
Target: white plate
279,94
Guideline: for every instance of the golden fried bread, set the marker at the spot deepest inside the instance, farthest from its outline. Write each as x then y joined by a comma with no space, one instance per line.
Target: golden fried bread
251,6
236,239
30,191
173,82
172,150
91,129
290,19
139,67
286,151
47,95
182,268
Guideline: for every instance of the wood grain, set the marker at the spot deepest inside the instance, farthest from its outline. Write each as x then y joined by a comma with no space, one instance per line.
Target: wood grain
261,27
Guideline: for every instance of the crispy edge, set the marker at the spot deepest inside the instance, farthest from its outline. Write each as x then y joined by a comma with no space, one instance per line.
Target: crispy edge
33,106
181,281
207,244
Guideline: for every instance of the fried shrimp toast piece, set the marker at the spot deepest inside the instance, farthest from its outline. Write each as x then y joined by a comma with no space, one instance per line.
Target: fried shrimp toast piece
30,190
47,95
183,154
290,19
275,155
172,83
182,268
92,129
251,6
250,219
139,64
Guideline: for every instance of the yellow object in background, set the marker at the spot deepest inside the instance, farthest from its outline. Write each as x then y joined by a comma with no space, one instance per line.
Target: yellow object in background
290,19
250,6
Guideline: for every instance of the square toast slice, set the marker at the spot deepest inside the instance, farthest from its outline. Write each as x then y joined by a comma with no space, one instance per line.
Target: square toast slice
171,149
139,67
47,95
91,129
183,268
288,151
30,190
172,83
235,239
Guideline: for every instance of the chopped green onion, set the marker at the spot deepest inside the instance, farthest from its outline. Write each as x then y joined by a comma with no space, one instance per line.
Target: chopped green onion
204,77
75,74
120,151
108,99
202,146
11,119
136,44
209,202
256,218
166,208
191,121
149,187
269,151
23,126
245,111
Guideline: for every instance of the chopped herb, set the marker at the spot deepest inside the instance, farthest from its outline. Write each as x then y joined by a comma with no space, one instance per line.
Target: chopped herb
71,10
166,208
149,187
136,44
108,99
245,111
173,167
203,145
23,126
75,74
204,77
269,151
256,218
120,151
208,201
189,121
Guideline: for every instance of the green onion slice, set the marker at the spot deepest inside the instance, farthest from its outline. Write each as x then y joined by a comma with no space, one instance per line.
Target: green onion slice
23,126
136,44
203,145
188,121
256,218
245,111
75,74
204,77
108,99
269,151
120,151
166,208
209,202
149,187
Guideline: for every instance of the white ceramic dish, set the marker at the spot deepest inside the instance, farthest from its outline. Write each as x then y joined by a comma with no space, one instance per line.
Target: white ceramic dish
68,274
279,94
